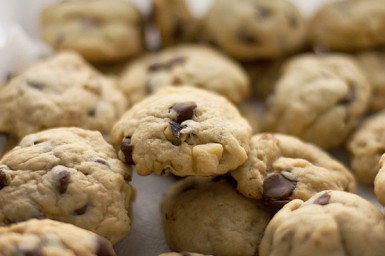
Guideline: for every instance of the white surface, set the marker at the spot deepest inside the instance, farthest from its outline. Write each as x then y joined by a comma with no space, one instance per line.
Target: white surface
146,237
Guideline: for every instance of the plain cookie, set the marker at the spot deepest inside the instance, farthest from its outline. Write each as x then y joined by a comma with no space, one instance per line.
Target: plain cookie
70,175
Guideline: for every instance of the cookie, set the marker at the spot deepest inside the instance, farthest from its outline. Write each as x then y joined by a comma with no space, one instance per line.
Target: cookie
182,254
320,104
61,91
372,64
379,181
281,168
101,31
366,147
70,175
254,29
51,238
185,131
198,66
209,216
348,26
329,223
175,22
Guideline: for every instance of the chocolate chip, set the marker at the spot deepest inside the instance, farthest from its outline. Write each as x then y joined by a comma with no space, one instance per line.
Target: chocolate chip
176,61
175,129
155,66
104,248
247,38
275,205
37,251
101,161
91,112
349,97
263,12
63,178
82,210
3,179
184,111
35,84
277,186
323,199
127,148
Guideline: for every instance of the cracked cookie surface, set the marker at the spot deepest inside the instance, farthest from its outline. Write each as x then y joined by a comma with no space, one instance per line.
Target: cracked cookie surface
51,238
61,91
185,131
70,175
198,66
330,223
281,168
320,104
208,215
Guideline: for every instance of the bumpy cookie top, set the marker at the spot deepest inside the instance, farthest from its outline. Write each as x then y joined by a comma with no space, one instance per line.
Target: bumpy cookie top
281,168
348,26
183,130
101,31
322,102
254,29
379,181
194,65
61,91
208,215
366,148
51,238
67,174
329,223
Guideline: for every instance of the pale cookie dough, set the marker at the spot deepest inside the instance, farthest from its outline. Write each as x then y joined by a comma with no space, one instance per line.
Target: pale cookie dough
373,65
175,22
379,181
348,26
198,66
61,91
331,223
281,168
319,98
51,238
70,175
185,131
209,216
366,147
255,29
101,31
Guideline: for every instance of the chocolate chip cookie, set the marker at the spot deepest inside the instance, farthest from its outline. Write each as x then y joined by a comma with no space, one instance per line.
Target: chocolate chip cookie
318,98
379,181
348,26
209,216
51,238
198,66
101,31
366,147
281,168
254,29
61,91
329,223
70,175
185,131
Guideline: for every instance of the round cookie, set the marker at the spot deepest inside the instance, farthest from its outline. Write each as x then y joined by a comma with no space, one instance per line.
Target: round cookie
373,65
61,91
254,29
348,26
175,22
194,65
101,31
281,168
51,238
366,147
70,175
329,223
320,104
209,216
379,181
185,131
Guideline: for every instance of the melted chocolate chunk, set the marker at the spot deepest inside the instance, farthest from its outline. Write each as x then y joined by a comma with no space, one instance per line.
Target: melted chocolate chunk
275,205
247,38
184,111
3,179
176,61
35,84
175,129
91,112
82,210
127,148
155,66
63,178
323,199
349,97
104,248
277,186
37,251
